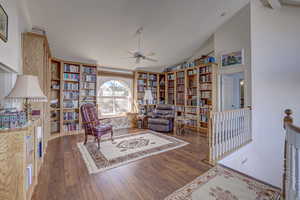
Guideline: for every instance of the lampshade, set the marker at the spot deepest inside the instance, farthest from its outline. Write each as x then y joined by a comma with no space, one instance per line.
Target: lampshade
148,96
27,87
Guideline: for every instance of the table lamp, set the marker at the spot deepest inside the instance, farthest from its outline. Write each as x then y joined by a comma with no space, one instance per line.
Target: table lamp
148,98
27,88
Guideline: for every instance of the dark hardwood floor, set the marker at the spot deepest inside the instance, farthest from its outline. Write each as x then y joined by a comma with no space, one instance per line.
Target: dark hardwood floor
64,175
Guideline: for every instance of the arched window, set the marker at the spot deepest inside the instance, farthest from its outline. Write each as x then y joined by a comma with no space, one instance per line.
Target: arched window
114,98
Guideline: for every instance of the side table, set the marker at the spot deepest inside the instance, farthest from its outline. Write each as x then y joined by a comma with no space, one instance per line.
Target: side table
142,121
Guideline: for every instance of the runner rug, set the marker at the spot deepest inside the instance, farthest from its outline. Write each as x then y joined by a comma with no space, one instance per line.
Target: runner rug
220,183
125,149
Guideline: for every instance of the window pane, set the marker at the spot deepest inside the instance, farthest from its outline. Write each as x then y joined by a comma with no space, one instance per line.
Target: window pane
114,88
106,106
121,105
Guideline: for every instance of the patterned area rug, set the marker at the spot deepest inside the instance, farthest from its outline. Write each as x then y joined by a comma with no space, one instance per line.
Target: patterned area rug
125,149
220,183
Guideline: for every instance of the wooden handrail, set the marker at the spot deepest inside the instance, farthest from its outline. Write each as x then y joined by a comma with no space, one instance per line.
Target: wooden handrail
288,126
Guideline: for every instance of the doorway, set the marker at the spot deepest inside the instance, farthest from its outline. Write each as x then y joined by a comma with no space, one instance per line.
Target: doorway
232,91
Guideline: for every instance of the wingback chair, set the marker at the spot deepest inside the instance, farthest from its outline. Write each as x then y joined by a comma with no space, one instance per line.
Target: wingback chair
162,118
92,125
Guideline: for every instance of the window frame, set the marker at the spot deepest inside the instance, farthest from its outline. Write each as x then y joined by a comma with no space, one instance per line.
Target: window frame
114,98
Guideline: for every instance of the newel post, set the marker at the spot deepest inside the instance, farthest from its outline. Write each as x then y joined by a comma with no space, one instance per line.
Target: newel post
286,120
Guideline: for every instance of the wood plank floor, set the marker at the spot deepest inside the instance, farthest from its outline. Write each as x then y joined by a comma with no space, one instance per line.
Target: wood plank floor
64,175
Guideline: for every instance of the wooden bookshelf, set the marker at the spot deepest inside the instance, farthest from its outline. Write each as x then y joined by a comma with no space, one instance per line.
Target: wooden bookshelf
192,90
72,85
148,80
171,89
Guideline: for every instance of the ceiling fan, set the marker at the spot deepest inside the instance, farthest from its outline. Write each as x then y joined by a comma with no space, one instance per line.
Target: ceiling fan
138,55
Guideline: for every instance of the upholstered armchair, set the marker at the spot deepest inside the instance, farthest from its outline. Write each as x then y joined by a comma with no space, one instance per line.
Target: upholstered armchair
162,118
92,125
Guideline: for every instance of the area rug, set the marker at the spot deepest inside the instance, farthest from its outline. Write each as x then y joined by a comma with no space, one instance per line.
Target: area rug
125,149
220,183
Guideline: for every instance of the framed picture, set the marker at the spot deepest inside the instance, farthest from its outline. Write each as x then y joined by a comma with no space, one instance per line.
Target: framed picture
232,59
3,24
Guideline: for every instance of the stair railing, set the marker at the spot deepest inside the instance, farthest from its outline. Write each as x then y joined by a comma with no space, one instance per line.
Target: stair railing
291,175
228,131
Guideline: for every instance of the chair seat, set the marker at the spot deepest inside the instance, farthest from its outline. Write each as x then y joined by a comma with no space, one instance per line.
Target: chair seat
158,121
103,128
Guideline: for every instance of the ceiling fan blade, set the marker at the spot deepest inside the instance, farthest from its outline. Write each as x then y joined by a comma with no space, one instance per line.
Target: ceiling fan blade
150,59
151,54
131,52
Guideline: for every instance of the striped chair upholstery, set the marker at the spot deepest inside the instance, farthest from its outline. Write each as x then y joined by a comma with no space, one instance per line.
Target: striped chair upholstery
92,125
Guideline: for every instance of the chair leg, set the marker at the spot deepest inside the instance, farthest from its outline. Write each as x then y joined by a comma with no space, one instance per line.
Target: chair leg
98,139
85,139
112,134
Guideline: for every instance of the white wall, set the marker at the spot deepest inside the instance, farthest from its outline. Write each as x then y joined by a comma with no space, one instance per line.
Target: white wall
275,82
10,52
206,48
234,35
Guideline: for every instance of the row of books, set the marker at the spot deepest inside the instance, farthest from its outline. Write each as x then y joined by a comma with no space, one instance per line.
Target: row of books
206,69
71,68
86,85
192,91
71,86
206,78
205,86
143,76
88,92
180,88
206,94
180,74
152,77
204,110
71,126
192,72
191,122
71,95
171,77
90,78
141,88
141,82
70,104
70,115
203,118
89,70
152,83
191,110
71,77
54,127
55,86
180,80
192,102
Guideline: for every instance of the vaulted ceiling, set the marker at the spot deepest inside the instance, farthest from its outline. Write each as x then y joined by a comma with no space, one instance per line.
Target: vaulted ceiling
101,31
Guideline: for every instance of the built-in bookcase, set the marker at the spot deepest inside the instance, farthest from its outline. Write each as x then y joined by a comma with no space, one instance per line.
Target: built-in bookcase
55,97
72,85
149,81
191,90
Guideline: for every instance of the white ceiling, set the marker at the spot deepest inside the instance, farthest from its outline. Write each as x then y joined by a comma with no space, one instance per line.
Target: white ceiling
101,31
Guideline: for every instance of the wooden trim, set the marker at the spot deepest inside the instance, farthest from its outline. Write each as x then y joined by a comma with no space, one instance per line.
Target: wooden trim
115,74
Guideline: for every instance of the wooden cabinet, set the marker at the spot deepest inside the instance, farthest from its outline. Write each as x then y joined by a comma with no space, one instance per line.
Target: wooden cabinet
36,61
20,161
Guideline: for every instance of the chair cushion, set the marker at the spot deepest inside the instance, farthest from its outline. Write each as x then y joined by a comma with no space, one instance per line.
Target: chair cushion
158,121
103,128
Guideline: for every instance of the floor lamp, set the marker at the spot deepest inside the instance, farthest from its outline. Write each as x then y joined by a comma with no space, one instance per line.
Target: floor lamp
28,90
